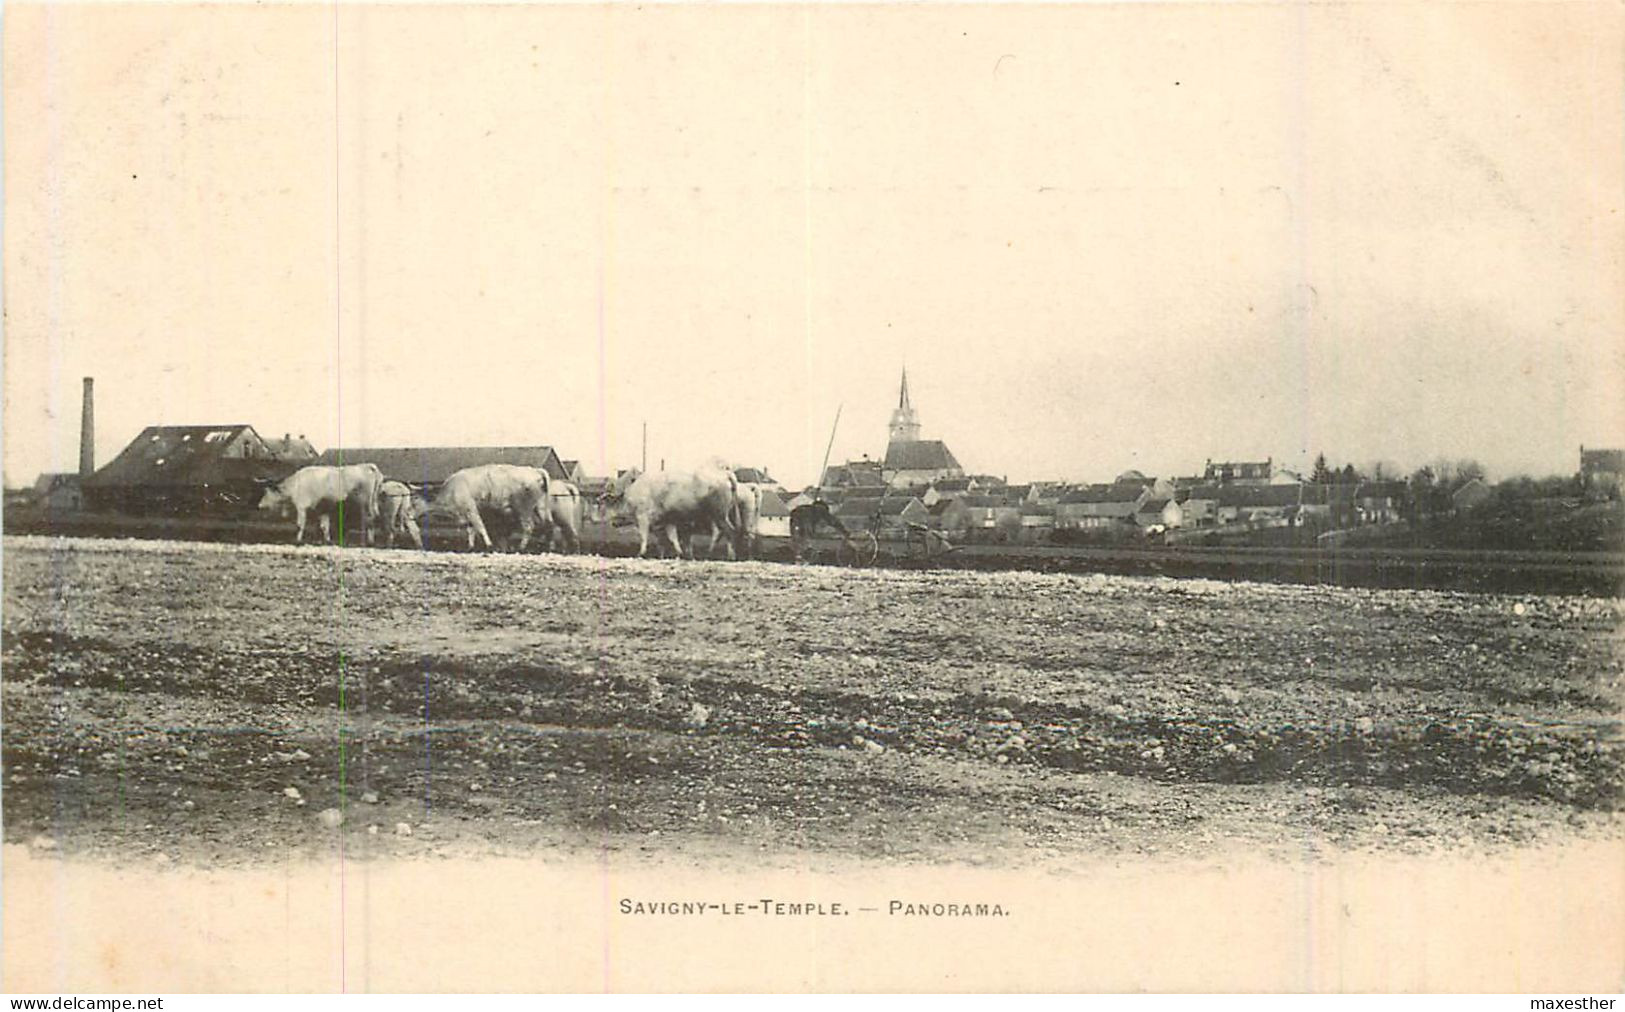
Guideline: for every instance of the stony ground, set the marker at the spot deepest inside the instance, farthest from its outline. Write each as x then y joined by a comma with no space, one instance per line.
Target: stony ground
207,704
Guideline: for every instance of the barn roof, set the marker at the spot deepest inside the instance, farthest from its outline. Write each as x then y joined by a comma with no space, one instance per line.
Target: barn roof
432,465
189,455
919,455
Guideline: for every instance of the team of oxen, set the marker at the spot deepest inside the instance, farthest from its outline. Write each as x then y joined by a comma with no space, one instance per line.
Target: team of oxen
668,507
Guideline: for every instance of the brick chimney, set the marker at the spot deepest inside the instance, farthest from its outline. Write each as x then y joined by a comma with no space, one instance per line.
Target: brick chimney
87,431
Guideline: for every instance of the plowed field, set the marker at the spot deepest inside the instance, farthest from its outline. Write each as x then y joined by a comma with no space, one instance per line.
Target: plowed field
217,703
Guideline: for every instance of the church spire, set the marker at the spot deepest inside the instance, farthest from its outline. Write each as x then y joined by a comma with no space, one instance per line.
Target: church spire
905,424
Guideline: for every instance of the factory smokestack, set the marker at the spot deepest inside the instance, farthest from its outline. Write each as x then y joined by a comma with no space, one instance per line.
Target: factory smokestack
87,431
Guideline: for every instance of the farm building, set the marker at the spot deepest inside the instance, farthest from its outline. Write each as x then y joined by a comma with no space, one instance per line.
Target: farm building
430,466
186,469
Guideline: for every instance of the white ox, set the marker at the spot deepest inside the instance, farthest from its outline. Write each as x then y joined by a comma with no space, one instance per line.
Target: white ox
749,501
747,511
519,492
324,490
396,513
664,501
564,502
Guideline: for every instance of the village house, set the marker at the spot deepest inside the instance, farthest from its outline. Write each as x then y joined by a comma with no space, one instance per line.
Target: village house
988,515
1379,502
1037,523
852,474
773,515
1159,511
1601,472
1094,506
1261,505
894,513
1199,505
1471,495
1242,472
947,488
755,476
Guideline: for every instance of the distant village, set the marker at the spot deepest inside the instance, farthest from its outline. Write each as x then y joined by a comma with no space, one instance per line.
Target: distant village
214,470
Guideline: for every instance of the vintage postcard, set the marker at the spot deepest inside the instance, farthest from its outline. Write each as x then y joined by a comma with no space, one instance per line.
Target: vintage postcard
1099,497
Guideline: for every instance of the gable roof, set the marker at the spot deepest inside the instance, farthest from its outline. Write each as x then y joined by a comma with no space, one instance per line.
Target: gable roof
852,472
754,475
1113,493
432,465
919,455
772,504
1382,490
1155,505
171,456
1122,508
889,506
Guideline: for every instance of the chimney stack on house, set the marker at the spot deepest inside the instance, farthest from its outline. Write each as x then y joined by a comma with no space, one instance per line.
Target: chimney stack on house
87,431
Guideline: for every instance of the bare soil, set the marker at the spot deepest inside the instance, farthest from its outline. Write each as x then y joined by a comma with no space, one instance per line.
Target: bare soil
215,704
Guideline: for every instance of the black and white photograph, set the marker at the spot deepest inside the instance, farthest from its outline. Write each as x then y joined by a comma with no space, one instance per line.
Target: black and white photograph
687,497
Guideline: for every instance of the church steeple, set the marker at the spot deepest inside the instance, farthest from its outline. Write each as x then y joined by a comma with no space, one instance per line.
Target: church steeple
905,424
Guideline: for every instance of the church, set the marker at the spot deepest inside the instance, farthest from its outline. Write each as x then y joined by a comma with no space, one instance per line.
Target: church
909,462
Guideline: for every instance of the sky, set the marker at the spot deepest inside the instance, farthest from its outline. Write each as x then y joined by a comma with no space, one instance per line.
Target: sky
1099,237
